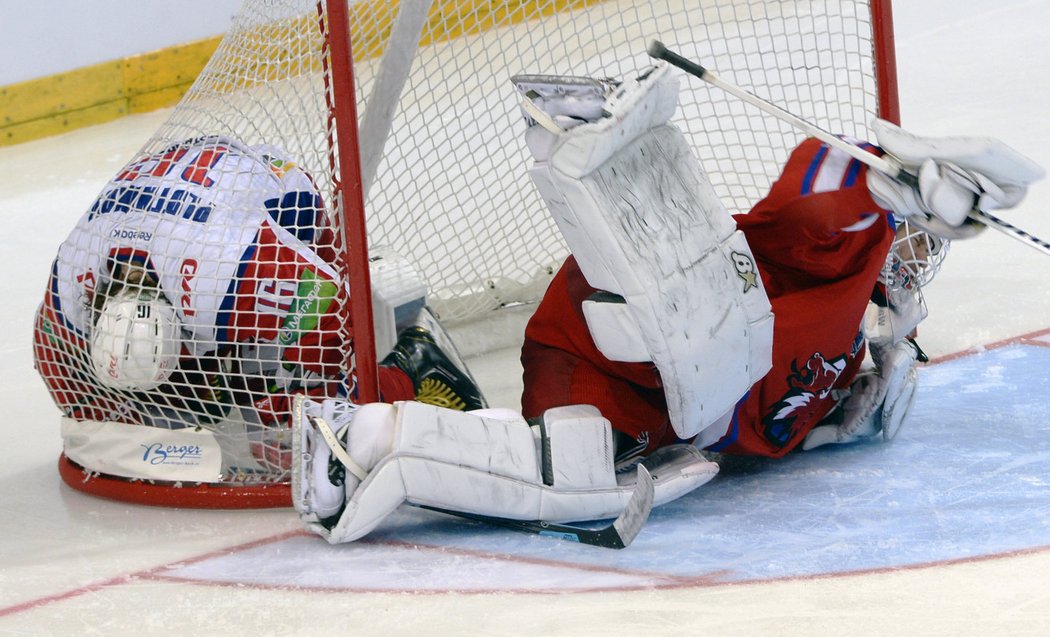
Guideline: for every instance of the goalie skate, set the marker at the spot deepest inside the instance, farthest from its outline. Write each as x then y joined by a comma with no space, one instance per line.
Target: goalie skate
319,477
426,353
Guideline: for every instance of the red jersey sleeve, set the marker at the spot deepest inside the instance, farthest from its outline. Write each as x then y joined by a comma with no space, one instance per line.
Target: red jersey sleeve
820,242
805,229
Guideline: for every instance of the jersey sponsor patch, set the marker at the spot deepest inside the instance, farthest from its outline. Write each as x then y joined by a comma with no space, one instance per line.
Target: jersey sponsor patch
313,297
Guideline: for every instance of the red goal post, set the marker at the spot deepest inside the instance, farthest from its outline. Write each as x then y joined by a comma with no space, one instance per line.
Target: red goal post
403,115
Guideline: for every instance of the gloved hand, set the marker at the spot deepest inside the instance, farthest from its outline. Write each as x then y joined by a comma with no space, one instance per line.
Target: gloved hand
956,175
878,400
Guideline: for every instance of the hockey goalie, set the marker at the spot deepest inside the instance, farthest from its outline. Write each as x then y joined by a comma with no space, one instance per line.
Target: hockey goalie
741,333
675,326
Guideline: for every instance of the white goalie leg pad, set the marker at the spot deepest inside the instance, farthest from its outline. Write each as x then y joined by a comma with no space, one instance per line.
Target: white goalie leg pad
896,366
493,463
614,329
644,223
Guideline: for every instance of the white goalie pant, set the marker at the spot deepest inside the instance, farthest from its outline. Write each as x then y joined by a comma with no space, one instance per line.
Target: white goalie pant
492,462
644,223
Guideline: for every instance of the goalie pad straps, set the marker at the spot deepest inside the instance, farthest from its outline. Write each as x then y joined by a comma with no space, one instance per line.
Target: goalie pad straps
614,329
644,223
491,462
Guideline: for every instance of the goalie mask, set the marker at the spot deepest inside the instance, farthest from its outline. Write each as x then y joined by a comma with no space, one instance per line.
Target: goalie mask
135,343
914,259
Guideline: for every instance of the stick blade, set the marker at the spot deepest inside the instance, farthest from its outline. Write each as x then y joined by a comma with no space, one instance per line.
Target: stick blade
638,508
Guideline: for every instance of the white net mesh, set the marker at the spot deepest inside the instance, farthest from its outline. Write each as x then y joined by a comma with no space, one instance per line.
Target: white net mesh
453,170
228,207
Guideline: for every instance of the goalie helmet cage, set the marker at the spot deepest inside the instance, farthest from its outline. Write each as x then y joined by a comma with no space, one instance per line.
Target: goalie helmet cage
419,139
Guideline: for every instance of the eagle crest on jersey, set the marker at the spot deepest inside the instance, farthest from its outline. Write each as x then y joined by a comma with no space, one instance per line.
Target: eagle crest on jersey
625,190
809,382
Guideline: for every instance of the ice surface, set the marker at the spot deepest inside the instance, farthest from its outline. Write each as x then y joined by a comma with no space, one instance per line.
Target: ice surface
946,530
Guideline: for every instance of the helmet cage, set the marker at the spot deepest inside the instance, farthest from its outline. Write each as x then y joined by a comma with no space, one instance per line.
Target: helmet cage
914,259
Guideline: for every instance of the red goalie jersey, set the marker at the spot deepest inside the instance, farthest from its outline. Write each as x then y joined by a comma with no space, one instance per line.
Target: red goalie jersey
820,242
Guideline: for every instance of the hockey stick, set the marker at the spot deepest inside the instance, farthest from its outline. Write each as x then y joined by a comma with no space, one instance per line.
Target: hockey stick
1010,230
617,535
884,165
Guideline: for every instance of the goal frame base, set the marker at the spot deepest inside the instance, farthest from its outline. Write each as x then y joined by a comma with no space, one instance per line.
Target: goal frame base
174,495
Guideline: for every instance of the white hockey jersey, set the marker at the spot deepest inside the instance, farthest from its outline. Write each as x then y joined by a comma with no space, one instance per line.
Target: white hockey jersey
231,234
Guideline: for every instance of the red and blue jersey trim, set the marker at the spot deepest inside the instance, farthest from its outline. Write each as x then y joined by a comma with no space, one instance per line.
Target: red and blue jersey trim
832,169
733,432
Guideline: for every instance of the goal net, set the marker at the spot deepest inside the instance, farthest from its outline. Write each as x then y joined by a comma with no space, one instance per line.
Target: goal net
265,141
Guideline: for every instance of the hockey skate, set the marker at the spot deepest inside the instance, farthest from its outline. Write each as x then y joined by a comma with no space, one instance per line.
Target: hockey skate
439,376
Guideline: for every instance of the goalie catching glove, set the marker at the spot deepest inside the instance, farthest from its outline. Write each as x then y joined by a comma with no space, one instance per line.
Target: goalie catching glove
354,465
956,175
878,401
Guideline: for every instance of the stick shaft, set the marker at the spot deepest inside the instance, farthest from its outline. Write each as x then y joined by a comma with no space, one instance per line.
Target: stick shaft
884,165
1011,231
878,163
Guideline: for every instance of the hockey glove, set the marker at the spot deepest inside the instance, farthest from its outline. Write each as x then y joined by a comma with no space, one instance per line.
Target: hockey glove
878,400
940,206
956,175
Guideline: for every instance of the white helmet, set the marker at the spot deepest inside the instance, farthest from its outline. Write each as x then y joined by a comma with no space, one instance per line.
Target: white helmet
135,343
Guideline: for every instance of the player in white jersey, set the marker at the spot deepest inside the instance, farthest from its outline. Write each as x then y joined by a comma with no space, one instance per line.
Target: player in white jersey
200,279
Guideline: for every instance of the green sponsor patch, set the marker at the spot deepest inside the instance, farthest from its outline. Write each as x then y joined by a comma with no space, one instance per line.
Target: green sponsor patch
313,297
